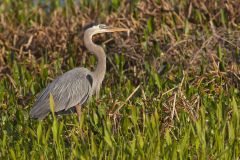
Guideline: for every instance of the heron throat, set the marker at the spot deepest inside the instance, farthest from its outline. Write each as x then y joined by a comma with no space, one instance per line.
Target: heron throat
100,70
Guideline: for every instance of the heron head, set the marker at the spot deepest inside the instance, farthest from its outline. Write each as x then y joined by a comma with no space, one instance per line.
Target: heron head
102,28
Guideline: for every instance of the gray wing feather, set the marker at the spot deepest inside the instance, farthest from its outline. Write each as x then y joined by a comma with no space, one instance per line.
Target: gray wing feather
68,90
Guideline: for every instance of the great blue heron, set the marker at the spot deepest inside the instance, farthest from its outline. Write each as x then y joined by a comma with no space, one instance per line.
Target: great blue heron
72,89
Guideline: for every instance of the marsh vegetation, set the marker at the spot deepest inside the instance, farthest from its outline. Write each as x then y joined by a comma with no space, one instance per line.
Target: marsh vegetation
172,89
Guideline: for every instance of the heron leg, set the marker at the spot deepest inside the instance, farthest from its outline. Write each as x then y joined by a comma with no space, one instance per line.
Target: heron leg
78,109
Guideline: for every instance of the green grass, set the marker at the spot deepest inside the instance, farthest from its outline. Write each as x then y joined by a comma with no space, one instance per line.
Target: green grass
171,90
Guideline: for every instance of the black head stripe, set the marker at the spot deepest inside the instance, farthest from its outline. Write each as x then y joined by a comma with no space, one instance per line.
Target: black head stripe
89,25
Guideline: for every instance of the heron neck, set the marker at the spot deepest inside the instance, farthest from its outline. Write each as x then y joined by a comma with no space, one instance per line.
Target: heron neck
100,70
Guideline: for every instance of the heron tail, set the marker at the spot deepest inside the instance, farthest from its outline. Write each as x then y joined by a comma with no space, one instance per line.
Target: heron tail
40,111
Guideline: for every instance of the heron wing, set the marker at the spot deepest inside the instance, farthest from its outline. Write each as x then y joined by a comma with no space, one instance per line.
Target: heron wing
68,90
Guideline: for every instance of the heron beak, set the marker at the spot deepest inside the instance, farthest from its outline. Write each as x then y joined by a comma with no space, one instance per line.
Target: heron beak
116,29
